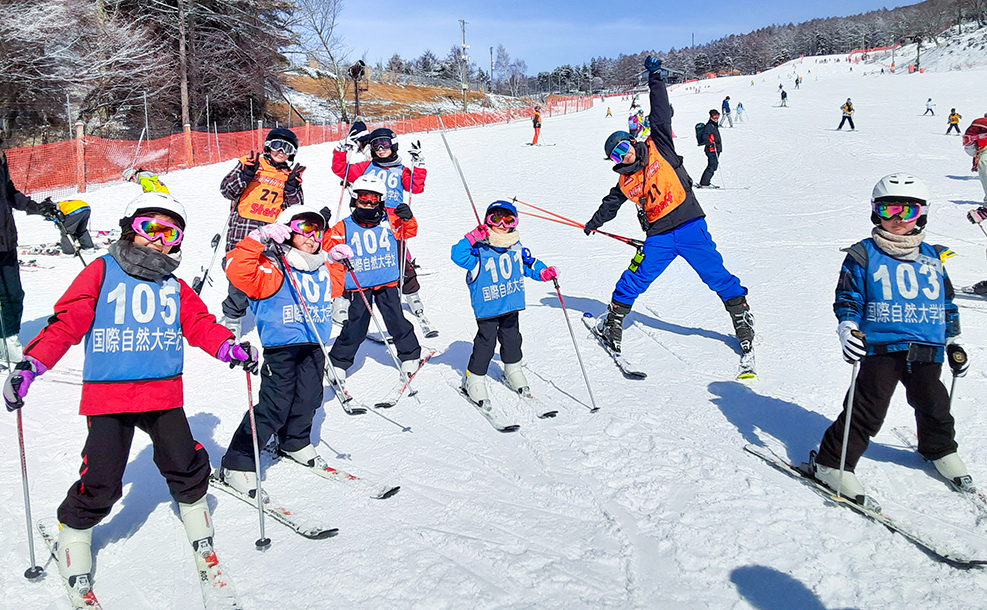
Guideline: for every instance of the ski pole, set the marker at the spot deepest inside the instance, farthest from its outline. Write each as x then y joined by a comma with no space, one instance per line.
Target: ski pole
297,295
403,244
35,571
627,240
565,314
846,421
342,190
455,163
263,542
198,283
65,234
380,329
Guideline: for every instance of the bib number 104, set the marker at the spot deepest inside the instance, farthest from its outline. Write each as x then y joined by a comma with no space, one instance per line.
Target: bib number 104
907,282
369,242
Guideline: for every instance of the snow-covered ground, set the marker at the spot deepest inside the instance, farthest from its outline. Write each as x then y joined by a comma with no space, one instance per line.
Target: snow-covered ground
649,503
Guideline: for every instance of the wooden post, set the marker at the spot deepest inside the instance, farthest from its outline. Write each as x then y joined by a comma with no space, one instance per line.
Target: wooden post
189,157
80,158
308,125
260,135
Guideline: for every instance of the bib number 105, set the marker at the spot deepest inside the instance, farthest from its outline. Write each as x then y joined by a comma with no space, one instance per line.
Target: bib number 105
907,282
144,303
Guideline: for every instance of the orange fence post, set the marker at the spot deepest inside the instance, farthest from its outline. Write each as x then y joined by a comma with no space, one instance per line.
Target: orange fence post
80,158
307,133
189,157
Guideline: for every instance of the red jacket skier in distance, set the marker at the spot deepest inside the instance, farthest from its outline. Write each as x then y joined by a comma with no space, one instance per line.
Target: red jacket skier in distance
356,170
74,314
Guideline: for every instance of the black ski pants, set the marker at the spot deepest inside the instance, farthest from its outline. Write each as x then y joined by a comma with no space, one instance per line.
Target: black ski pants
876,382
290,394
77,226
181,461
489,331
951,127
354,331
411,284
11,294
846,119
712,163
236,302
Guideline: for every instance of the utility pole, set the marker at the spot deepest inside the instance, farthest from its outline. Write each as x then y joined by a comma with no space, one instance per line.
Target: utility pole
491,70
465,58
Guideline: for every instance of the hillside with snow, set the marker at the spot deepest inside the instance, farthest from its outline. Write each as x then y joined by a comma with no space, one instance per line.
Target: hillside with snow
650,502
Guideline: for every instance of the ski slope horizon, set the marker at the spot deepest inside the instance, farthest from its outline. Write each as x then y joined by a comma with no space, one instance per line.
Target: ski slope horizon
650,502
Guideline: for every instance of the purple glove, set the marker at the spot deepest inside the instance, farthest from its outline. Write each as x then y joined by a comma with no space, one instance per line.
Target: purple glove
19,382
478,234
340,252
239,354
272,232
548,273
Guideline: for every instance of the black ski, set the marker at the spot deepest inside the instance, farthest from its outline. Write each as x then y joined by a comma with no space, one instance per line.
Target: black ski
277,512
625,367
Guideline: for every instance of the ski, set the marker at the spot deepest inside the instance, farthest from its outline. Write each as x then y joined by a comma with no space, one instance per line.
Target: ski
486,410
625,367
350,404
972,290
542,411
398,391
530,144
428,330
79,588
277,512
377,491
746,370
976,497
217,588
380,340
33,265
784,466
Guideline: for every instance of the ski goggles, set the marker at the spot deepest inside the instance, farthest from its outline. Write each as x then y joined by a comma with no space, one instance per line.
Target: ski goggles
281,146
619,151
379,143
306,228
154,228
904,211
369,198
502,219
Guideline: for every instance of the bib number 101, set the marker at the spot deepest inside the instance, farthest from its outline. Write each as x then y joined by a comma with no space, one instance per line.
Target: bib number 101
505,264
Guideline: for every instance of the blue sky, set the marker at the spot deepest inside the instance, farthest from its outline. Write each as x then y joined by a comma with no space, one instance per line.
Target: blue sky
551,33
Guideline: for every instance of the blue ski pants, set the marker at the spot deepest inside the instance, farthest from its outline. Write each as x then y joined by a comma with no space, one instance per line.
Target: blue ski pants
692,242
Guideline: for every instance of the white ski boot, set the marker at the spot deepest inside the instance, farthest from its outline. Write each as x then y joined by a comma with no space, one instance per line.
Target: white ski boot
516,379
418,309
475,387
216,586
244,481
410,367
851,489
198,523
75,560
952,468
234,326
340,310
12,350
308,456
340,376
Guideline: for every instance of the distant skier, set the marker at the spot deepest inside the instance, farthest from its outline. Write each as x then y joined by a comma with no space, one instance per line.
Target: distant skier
148,180
975,143
740,112
713,147
536,123
634,124
847,109
929,108
653,177
497,294
954,121
900,331
74,214
608,112
725,115
784,98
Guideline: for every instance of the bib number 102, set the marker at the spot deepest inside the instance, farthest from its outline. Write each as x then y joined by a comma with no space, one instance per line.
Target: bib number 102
907,282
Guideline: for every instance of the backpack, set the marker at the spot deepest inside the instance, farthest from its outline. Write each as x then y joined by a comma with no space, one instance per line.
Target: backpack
700,128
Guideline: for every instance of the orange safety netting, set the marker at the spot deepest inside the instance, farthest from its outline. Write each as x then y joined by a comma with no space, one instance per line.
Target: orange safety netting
92,160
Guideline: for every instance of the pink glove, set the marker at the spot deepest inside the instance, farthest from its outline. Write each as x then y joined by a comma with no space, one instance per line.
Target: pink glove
239,354
340,252
272,232
478,234
19,381
548,273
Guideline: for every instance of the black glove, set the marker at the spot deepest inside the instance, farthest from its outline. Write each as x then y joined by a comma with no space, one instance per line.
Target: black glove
958,361
653,66
294,181
326,214
403,211
589,227
249,167
49,209
245,355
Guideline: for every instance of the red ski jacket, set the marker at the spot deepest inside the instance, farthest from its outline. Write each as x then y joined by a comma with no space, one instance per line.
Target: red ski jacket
356,170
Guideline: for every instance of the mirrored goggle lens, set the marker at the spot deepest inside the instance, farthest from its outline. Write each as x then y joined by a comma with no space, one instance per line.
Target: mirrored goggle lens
503,220
154,228
380,143
281,146
619,151
368,197
905,211
308,228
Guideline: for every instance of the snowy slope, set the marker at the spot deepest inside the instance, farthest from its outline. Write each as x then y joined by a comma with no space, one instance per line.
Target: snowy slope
649,503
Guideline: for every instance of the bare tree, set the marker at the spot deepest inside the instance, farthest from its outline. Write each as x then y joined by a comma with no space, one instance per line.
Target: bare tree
319,39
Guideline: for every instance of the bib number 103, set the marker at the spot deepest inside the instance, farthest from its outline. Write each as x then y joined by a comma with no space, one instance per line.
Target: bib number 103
907,282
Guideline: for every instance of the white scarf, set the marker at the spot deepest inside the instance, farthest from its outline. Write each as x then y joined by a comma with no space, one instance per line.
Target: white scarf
303,261
503,240
904,247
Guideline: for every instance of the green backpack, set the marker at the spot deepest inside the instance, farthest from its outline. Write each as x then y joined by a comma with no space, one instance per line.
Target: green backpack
700,128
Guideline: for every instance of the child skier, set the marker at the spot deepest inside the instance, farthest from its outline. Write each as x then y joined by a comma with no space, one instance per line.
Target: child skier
900,330
148,180
294,364
73,214
536,123
386,165
847,109
133,314
954,121
375,265
491,253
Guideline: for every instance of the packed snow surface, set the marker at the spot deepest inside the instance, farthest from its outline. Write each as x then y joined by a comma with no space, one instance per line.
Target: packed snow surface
648,503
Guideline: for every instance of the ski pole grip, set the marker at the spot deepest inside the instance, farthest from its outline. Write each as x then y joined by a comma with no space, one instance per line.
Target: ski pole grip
858,334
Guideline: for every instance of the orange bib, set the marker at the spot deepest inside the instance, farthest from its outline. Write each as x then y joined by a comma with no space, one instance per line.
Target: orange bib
264,196
657,190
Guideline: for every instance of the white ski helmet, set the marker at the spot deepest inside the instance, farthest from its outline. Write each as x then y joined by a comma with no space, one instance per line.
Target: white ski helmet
900,187
292,212
155,202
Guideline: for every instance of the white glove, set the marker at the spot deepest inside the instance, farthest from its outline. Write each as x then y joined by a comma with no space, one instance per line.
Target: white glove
340,252
853,344
273,232
417,156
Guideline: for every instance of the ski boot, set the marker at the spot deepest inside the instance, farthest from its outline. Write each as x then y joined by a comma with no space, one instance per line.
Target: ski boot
979,288
610,328
11,350
475,387
244,481
743,326
410,367
851,488
516,379
75,560
952,468
198,526
417,308
340,310
234,326
307,456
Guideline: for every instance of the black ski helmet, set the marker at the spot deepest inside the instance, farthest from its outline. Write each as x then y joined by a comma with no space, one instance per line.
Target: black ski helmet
384,132
285,135
616,138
